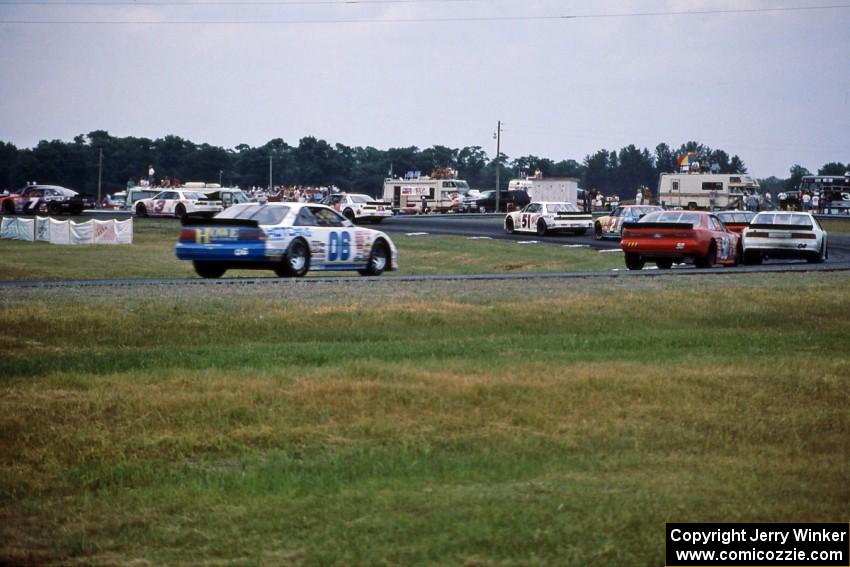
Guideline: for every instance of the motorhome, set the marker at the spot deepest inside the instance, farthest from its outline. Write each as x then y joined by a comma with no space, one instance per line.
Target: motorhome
441,195
705,190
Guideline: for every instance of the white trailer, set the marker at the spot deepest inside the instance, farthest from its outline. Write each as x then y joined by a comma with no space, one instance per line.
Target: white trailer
441,195
695,190
552,189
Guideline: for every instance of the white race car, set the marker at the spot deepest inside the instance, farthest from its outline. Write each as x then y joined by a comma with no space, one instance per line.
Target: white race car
288,238
357,207
177,203
779,234
545,217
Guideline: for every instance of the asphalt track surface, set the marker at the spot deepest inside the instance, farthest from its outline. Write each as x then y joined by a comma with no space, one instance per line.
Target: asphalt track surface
481,226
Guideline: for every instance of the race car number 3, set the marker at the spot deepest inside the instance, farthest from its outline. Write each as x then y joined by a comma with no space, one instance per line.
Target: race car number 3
339,246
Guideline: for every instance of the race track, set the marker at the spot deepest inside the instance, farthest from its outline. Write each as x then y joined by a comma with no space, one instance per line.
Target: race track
472,226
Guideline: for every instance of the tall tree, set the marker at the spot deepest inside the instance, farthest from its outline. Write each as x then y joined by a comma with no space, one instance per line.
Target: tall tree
834,168
797,173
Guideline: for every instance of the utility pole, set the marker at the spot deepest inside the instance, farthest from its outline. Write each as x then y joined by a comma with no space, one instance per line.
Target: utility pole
220,173
498,136
99,177
270,175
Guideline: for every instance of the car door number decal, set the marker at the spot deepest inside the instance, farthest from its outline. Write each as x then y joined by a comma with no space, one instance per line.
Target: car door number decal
339,247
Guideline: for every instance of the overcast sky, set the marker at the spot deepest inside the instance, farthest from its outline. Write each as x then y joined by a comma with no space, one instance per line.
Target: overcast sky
773,87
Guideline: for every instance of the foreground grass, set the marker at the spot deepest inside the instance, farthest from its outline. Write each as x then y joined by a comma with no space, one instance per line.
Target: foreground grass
518,423
152,256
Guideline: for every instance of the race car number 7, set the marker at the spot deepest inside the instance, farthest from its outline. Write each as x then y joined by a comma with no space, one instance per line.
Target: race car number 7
339,246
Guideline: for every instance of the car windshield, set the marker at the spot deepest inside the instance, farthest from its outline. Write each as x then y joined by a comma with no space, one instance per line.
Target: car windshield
735,217
360,198
240,197
783,218
263,214
561,208
194,195
638,211
673,216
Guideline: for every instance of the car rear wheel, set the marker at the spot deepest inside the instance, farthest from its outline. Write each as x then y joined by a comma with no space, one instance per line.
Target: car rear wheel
141,210
509,226
209,270
379,259
180,212
708,260
664,264
296,261
541,228
634,261
8,208
752,257
597,231
820,257
349,214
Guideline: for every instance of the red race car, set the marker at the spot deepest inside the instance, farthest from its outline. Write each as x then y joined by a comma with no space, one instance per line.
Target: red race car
679,236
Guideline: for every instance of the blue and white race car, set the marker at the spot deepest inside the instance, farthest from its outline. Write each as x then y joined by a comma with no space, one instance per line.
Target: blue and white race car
288,238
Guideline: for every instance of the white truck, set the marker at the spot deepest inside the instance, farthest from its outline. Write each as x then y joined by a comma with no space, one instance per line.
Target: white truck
441,195
696,190
551,189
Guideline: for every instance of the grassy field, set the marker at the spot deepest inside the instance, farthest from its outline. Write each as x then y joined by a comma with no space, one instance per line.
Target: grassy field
152,255
513,423
836,226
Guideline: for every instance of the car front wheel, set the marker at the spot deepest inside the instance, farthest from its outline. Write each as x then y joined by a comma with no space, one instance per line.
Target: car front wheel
141,210
379,259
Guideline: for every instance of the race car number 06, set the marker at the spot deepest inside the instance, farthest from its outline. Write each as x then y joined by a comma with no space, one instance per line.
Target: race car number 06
339,246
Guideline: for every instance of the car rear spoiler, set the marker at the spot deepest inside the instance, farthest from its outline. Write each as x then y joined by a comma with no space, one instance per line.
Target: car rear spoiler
677,225
782,226
573,214
189,220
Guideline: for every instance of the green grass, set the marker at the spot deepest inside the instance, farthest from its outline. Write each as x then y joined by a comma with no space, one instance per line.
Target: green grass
152,255
835,226
513,423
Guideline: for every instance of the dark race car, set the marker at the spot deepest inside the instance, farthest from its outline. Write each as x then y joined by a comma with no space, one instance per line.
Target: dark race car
43,199
736,221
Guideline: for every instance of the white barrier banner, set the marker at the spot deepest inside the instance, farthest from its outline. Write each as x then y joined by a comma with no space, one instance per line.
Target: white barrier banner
17,229
47,229
42,229
104,232
59,232
82,233
124,231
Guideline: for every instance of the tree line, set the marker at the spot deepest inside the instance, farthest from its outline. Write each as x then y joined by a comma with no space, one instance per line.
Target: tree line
315,162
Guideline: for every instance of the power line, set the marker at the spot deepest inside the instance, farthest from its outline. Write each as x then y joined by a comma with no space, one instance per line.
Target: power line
206,3
428,19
